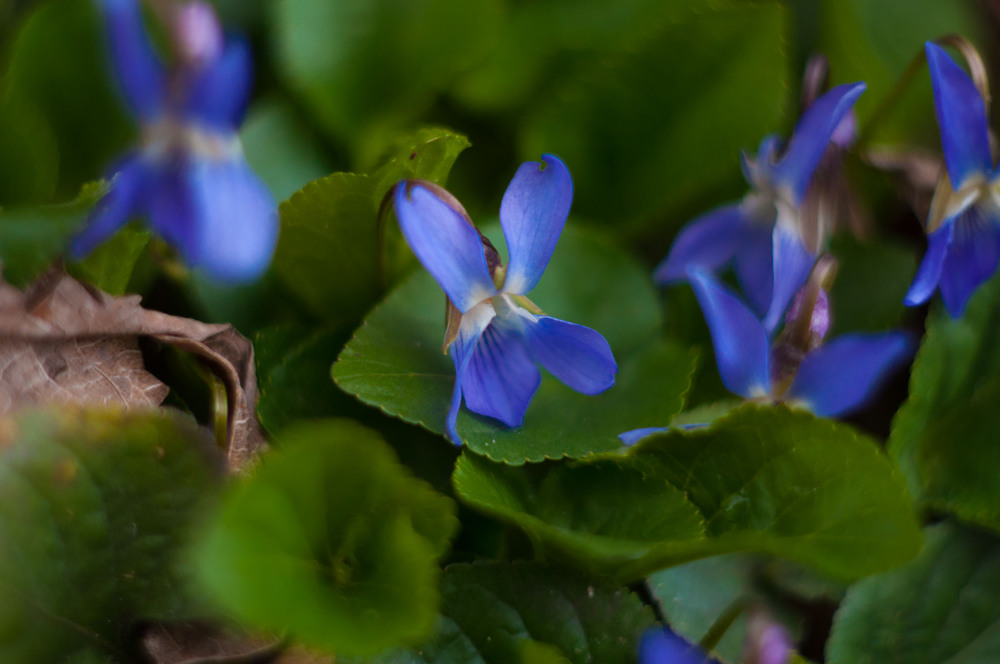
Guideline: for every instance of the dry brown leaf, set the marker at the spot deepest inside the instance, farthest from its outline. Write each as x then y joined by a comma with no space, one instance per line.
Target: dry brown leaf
197,642
62,341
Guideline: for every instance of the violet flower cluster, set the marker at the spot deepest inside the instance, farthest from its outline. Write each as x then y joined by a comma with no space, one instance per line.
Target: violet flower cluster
188,176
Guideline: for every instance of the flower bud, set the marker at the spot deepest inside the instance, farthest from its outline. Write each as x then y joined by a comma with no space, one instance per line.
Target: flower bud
197,34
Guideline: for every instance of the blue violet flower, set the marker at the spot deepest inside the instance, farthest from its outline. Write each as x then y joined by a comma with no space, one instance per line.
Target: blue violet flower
963,227
766,235
795,367
495,334
767,642
660,645
188,176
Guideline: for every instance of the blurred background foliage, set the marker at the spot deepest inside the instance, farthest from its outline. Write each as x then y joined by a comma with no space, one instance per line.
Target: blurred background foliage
649,103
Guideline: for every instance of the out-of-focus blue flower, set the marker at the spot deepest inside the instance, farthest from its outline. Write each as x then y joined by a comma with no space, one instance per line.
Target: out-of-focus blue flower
495,334
831,379
795,367
767,642
188,176
963,243
660,645
765,236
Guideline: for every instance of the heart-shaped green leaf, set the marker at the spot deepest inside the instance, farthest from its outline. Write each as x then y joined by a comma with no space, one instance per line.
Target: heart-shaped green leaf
331,540
330,251
759,479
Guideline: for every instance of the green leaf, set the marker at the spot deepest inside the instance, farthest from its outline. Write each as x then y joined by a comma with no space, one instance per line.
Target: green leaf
329,251
293,366
643,135
31,238
545,41
872,279
942,437
279,150
58,64
760,479
94,506
366,66
528,612
940,608
395,362
29,158
110,266
331,540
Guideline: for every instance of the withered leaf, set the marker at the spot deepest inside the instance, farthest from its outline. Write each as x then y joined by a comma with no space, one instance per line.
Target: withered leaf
189,642
62,341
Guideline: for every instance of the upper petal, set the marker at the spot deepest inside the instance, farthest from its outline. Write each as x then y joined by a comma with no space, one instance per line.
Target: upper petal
577,355
501,378
742,347
812,135
929,273
472,327
532,214
961,115
972,256
840,376
708,243
220,91
121,203
237,220
446,244
133,59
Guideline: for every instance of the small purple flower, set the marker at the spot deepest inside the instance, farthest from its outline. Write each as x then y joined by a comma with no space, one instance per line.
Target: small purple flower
660,645
831,379
764,235
188,176
963,243
495,334
767,642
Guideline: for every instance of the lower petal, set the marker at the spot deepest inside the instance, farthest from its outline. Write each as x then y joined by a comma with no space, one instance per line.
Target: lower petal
577,355
122,202
708,242
635,435
501,378
754,268
238,220
839,377
742,348
474,323
173,213
792,263
971,259
929,274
